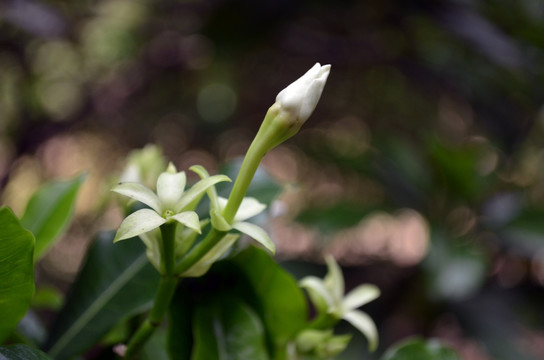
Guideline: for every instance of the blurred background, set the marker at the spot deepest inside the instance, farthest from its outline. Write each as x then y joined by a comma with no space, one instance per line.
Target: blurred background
420,170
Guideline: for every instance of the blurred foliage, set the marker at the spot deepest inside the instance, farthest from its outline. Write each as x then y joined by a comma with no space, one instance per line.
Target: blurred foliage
432,106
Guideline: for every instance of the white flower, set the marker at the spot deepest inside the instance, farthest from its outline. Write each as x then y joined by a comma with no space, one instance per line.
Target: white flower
301,97
170,203
328,296
249,208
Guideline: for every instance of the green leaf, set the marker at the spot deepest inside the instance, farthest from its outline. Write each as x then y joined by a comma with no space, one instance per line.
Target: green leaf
21,352
228,328
49,212
180,335
116,282
421,350
47,297
155,348
281,303
16,271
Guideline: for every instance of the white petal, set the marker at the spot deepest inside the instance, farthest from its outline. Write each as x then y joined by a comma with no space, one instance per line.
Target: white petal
141,193
362,294
256,233
249,208
362,322
334,280
202,266
138,223
318,292
189,219
197,190
170,188
203,173
301,97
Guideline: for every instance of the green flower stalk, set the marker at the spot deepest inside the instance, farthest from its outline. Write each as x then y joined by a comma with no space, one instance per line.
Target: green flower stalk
292,108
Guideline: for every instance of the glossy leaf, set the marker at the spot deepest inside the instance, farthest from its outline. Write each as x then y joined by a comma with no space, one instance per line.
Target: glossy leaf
49,212
282,304
228,329
22,352
117,281
16,271
420,350
180,334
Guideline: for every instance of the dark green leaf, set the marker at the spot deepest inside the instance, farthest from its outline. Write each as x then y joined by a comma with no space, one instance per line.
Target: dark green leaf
47,297
22,352
16,271
117,281
180,336
155,348
281,303
49,211
227,328
418,349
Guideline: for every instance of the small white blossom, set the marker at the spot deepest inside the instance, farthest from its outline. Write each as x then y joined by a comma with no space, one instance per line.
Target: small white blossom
328,296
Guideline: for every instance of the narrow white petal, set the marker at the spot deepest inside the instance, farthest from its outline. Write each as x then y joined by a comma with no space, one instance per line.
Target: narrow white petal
317,291
141,193
256,233
362,294
199,189
202,266
362,322
334,280
300,98
189,219
212,193
138,223
249,208
170,188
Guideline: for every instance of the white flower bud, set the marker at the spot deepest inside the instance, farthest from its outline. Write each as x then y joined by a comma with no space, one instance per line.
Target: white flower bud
301,97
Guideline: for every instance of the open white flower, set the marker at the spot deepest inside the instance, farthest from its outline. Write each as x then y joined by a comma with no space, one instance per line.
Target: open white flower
249,208
301,97
170,203
328,296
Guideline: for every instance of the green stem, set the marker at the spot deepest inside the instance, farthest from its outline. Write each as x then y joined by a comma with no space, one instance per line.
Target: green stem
249,166
200,249
163,296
